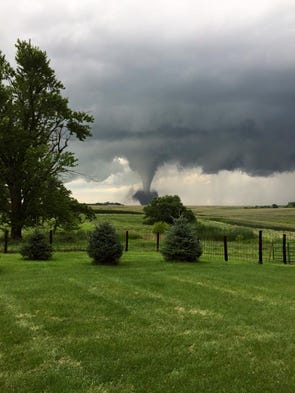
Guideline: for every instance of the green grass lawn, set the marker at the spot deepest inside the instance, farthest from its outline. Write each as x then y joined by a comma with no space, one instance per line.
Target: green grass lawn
145,326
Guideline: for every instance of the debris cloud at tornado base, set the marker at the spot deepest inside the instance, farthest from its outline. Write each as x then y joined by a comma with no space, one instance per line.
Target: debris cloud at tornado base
144,197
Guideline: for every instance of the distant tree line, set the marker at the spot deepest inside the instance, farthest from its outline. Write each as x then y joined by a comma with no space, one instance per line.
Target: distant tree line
273,206
106,204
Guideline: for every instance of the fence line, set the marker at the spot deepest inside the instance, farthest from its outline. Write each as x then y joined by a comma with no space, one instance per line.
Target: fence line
259,250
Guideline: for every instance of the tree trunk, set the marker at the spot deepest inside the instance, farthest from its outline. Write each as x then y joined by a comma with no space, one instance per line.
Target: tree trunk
16,216
16,232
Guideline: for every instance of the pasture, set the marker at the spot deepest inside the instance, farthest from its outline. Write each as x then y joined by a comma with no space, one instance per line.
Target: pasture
281,219
145,326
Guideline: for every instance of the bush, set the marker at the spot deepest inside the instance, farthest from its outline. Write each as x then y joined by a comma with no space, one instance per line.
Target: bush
37,247
181,242
166,208
104,245
160,227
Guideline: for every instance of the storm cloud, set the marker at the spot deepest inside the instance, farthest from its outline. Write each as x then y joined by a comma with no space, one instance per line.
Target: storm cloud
190,83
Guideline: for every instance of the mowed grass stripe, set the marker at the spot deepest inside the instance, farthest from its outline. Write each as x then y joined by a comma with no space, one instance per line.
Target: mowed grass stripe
146,326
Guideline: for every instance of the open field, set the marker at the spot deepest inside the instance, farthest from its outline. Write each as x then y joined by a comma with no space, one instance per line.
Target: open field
273,218
269,218
262,218
145,326
133,209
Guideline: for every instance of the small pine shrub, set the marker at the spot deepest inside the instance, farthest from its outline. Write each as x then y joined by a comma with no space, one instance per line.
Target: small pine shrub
181,243
36,248
104,245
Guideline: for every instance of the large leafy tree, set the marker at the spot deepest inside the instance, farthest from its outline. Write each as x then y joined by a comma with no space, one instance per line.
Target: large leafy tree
60,207
167,208
36,124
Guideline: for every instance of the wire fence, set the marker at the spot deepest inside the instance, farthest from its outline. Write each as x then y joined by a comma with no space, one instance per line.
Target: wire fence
266,247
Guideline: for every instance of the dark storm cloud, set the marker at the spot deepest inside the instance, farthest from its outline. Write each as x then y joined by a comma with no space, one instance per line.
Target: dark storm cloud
220,115
219,96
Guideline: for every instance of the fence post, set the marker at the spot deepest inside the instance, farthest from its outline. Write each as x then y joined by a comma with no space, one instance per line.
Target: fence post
50,237
225,248
6,241
284,249
272,251
260,257
158,241
126,240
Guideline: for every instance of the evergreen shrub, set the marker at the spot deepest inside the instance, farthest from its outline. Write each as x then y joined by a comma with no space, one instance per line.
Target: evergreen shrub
104,245
181,242
37,247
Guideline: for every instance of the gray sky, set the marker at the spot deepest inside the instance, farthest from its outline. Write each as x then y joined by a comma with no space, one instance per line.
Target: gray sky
196,97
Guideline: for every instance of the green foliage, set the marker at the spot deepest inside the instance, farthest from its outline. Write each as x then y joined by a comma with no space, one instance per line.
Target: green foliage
160,227
166,209
36,124
62,209
104,245
37,247
181,242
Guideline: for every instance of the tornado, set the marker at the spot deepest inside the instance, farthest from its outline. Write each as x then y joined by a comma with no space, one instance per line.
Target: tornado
146,166
144,197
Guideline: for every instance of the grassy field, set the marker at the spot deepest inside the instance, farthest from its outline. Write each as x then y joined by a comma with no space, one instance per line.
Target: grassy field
269,218
145,326
133,209
272,218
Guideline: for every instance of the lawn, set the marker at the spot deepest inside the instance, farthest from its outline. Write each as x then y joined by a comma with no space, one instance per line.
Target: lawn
145,326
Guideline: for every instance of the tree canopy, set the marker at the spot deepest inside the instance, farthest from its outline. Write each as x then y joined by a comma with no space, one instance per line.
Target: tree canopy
36,124
166,208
